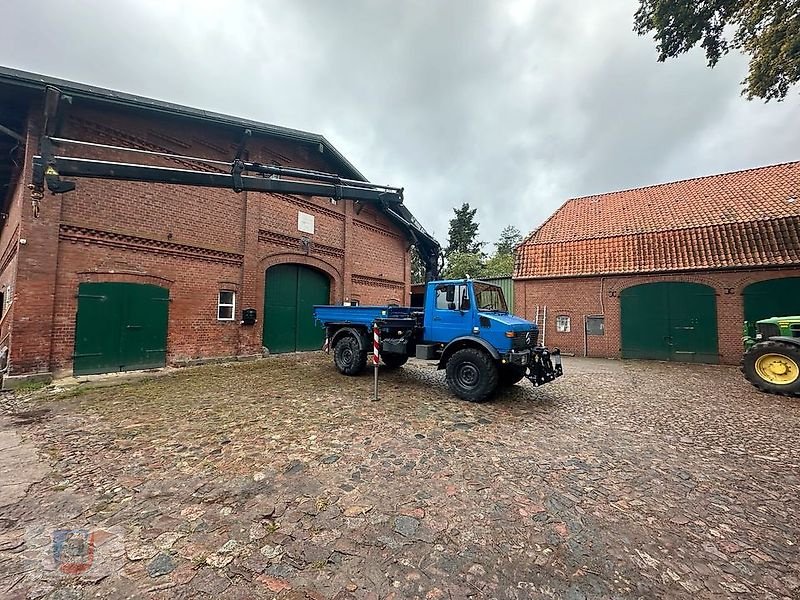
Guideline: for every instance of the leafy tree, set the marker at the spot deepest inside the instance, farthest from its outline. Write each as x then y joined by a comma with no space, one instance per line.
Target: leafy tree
768,31
463,264
499,265
509,238
463,235
417,267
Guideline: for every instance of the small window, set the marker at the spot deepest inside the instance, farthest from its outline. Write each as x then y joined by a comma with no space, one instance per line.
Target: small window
226,306
452,297
351,302
562,324
595,325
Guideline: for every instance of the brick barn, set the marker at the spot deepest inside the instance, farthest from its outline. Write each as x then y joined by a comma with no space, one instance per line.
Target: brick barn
666,272
121,275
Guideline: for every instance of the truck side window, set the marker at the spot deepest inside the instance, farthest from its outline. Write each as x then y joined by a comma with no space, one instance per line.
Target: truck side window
444,297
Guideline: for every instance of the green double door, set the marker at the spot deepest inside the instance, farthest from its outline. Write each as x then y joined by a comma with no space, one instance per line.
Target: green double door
120,327
670,320
772,298
290,293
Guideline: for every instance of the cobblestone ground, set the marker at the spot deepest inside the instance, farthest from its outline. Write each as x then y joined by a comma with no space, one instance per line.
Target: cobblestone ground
282,479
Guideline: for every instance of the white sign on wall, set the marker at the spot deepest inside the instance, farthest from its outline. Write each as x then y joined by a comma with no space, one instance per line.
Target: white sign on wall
305,222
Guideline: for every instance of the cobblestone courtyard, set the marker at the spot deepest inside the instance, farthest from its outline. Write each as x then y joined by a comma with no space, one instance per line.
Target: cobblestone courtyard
281,479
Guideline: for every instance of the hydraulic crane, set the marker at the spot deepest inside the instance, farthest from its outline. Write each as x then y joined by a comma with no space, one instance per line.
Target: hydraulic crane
238,174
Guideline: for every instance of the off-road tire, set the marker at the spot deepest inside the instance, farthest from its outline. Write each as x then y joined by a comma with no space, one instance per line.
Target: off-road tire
347,357
771,347
472,375
393,360
510,375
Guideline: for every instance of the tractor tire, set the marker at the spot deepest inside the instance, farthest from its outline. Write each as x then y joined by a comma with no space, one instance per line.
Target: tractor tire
773,367
472,375
393,361
347,357
510,375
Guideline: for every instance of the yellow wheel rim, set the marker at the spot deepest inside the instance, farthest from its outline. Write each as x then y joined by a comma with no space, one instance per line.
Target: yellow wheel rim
777,368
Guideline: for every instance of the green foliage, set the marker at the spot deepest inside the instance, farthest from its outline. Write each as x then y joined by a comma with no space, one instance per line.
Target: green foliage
463,264
499,265
509,238
463,235
768,31
417,267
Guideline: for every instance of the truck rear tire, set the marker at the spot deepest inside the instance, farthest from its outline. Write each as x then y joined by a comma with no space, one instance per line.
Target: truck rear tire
347,356
472,374
393,361
773,367
510,375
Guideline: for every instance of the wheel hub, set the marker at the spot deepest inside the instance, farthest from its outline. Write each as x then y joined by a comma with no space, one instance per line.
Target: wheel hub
468,375
777,368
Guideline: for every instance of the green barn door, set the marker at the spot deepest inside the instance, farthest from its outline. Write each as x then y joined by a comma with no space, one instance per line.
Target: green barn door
120,327
290,292
772,298
670,320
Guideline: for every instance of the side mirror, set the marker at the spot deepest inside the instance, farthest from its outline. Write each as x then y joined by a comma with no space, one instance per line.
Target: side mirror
450,294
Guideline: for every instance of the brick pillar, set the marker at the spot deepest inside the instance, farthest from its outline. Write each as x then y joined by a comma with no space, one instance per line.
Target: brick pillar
349,244
251,291
34,296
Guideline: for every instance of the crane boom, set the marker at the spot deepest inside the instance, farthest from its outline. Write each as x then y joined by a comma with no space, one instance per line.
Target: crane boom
237,174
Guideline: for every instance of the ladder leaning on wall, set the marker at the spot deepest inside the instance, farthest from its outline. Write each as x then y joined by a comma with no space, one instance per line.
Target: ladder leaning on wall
540,318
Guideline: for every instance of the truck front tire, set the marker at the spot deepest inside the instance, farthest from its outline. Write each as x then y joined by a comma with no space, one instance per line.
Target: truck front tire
347,356
472,374
510,375
774,367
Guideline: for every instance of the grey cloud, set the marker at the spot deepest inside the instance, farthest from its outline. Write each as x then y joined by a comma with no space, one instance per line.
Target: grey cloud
511,106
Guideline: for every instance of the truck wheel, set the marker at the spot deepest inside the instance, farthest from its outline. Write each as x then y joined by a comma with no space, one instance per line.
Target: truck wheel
510,375
347,357
773,367
472,374
393,361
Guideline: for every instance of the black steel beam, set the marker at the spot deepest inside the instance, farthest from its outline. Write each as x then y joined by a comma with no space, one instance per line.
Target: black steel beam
12,133
80,167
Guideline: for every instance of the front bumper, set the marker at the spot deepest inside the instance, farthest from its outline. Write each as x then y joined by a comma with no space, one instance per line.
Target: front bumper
541,364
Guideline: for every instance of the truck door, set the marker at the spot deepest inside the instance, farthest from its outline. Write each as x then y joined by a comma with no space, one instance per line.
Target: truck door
452,313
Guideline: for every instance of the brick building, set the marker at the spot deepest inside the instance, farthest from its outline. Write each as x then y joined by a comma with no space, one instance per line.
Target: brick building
120,275
668,271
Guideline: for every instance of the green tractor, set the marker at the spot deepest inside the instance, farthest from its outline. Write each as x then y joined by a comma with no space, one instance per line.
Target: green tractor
772,355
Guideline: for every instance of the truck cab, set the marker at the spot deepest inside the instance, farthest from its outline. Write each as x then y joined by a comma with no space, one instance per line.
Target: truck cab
465,325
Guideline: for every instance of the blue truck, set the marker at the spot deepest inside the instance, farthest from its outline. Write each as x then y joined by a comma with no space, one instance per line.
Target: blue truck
465,326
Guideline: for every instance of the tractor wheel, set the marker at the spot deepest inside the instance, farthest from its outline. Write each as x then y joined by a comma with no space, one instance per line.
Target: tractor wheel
347,357
510,375
393,361
773,367
472,374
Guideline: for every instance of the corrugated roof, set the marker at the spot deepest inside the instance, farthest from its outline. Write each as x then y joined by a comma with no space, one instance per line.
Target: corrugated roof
743,219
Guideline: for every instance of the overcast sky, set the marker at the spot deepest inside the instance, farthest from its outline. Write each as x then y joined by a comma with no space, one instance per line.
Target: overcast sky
512,106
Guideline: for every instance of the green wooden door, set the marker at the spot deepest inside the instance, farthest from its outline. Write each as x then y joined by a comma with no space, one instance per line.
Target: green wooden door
290,292
670,320
772,298
120,327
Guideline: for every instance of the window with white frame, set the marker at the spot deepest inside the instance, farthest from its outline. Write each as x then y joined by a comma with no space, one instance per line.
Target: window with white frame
226,305
562,324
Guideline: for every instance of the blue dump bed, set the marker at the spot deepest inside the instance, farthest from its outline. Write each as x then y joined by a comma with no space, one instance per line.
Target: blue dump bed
357,315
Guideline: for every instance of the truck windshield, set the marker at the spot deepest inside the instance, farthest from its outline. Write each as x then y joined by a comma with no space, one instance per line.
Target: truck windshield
490,297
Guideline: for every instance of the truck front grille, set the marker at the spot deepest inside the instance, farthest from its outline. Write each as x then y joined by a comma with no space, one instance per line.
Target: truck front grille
524,339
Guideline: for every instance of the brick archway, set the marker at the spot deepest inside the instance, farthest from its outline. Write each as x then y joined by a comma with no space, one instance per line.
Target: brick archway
278,258
124,276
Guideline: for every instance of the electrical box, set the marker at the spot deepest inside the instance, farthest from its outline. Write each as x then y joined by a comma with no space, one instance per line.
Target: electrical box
249,316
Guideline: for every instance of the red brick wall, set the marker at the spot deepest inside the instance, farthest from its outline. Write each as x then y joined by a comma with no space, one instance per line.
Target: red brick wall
194,241
581,296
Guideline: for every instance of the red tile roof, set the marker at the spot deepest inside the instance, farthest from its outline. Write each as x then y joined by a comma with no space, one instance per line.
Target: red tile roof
744,219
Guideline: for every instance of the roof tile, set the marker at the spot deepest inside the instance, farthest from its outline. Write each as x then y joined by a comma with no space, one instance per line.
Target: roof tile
743,219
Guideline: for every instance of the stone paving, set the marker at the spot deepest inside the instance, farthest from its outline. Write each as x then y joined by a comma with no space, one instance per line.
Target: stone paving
281,479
